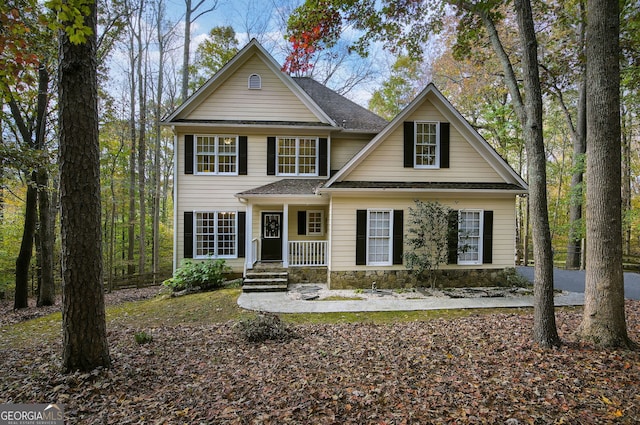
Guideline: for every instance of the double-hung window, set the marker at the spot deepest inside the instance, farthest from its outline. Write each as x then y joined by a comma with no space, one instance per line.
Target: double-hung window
216,234
297,156
216,154
379,238
470,231
427,145
315,223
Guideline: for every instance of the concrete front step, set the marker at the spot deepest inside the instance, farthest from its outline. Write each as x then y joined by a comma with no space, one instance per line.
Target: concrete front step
264,288
264,281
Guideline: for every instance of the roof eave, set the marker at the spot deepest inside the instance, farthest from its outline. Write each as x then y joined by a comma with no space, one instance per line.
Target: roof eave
260,126
422,190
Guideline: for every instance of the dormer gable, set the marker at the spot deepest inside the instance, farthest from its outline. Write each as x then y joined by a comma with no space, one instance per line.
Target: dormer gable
429,144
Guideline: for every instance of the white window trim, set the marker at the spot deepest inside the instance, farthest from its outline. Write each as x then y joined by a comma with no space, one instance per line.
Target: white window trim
436,165
215,154
259,79
480,237
389,262
297,172
309,232
195,235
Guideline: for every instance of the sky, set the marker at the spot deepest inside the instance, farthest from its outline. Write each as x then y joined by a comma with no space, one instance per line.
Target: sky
261,19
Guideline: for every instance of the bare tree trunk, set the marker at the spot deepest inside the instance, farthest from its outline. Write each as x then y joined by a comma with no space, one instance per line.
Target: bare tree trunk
142,146
530,116
190,9
23,261
603,321
579,134
544,328
158,130
576,191
131,228
46,292
626,180
186,50
85,344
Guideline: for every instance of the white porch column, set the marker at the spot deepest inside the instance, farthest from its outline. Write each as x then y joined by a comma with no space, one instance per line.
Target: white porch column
285,235
248,242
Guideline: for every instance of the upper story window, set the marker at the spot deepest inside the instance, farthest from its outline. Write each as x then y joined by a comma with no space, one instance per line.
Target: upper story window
297,156
216,154
255,82
427,145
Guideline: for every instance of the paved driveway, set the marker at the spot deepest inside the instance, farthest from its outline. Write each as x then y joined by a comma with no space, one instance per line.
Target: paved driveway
573,280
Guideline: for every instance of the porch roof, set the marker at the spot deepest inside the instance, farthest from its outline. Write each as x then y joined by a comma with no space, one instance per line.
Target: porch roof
285,187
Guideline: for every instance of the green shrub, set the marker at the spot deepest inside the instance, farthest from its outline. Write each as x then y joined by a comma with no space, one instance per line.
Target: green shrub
265,326
207,274
142,337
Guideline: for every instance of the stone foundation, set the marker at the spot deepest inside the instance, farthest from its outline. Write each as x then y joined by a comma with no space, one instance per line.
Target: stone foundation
307,274
393,279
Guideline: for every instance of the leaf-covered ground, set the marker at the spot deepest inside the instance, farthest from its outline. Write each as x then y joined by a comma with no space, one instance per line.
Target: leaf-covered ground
478,369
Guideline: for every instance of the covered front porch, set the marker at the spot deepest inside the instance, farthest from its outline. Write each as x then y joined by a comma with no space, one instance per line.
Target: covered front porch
287,225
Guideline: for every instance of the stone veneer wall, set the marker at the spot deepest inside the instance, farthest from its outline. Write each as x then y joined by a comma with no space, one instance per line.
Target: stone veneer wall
307,274
390,279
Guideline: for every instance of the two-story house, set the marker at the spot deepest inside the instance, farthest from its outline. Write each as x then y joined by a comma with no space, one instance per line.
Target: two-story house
275,169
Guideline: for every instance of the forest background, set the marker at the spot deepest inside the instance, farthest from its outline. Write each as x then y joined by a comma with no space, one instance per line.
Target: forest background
142,49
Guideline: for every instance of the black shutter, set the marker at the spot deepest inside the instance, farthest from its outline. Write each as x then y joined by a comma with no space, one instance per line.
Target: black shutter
188,154
322,157
452,237
398,236
487,238
408,144
302,222
361,237
444,145
242,243
188,234
242,155
271,156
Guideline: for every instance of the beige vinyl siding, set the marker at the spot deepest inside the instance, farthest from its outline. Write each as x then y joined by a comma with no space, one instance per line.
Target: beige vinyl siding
234,101
217,192
343,149
386,163
293,223
343,236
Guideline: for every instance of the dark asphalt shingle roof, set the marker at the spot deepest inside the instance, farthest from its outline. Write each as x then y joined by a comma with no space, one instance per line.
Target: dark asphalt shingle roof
343,111
286,187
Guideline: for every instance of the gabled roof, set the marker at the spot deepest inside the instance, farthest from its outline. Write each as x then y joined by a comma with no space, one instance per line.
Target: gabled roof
248,51
330,108
456,119
344,112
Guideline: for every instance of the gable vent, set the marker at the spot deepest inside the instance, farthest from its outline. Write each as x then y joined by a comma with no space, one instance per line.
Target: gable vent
255,82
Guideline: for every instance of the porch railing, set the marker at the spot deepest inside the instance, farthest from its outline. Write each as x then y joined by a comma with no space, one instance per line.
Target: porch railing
255,251
308,253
